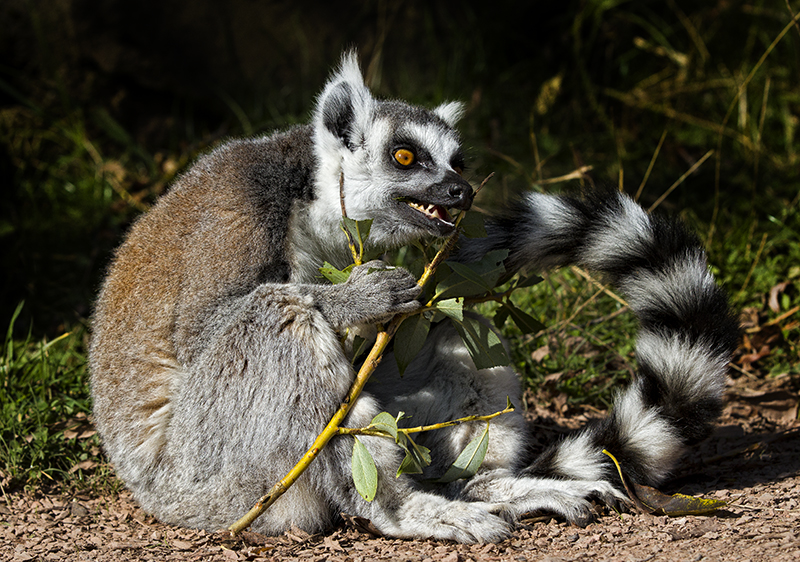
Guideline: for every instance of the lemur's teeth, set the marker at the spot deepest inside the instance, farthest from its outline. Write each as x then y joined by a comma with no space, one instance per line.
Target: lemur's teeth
431,211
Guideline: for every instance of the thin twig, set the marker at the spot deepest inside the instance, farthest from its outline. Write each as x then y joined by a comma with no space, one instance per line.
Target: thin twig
679,181
604,288
774,321
759,132
350,242
753,267
794,18
535,145
341,193
650,166
758,65
577,174
485,180
422,428
691,30
737,368
584,304
767,440
559,325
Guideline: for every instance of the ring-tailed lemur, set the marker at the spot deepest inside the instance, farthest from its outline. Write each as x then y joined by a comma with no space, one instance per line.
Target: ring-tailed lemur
215,358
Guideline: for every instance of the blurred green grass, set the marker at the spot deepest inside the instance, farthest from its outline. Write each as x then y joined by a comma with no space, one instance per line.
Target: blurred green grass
639,91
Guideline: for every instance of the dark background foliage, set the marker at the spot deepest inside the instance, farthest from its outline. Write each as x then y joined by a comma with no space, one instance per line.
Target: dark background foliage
115,90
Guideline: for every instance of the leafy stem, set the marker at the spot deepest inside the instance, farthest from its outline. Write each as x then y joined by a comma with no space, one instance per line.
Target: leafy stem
422,428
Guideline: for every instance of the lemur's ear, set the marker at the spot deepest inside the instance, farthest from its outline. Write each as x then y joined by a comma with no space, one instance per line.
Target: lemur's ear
345,104
450,112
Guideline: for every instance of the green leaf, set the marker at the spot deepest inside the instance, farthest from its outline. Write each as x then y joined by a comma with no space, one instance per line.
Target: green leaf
409,465
473,278
472,225
358,230
470,459
482,342
359,347
467,272
421,247
409,339
454,308
417,457
365,474
528,281
501,316
422,454
524,321
334,275
384,422
10,334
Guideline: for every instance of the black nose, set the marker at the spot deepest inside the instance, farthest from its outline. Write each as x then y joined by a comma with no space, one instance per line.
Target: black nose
460,190
453,192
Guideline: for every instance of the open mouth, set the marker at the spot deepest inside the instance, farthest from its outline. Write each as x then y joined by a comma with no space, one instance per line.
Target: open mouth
432,212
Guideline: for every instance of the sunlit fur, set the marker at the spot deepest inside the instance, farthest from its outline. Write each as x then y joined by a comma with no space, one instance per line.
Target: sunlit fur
216,356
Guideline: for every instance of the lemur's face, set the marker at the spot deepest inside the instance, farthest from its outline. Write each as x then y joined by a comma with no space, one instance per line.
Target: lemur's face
414,163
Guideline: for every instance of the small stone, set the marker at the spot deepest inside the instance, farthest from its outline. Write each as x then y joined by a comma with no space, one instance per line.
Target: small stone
78,510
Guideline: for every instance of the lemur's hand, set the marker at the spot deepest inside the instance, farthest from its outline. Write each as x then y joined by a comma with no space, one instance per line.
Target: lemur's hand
375,292
384,291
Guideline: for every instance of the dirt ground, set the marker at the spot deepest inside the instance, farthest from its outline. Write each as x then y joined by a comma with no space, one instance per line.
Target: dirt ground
752,462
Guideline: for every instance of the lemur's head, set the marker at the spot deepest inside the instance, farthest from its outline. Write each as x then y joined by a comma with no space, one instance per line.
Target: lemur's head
401,163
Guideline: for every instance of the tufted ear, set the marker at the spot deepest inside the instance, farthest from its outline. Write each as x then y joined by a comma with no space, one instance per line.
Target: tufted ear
345,104
450,112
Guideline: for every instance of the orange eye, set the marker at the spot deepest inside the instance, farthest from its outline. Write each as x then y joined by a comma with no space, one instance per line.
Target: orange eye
404,157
